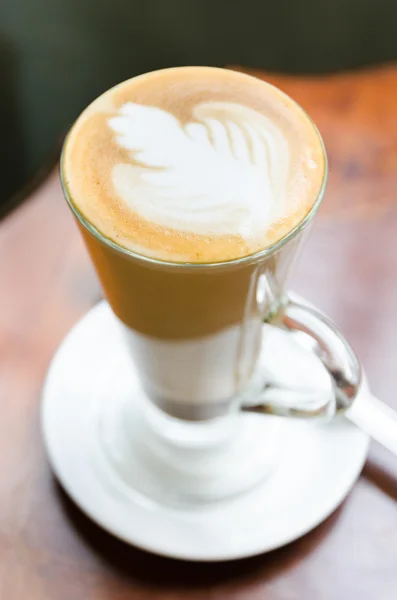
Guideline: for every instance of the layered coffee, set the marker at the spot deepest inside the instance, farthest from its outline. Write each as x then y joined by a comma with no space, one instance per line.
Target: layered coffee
193,164
193,167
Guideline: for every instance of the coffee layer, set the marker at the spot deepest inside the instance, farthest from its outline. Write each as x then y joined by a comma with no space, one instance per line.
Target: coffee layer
193,164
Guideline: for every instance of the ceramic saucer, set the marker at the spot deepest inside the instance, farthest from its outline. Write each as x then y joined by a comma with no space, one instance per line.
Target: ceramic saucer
317,467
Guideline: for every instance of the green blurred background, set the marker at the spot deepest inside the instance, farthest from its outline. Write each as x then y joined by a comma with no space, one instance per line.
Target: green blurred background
57,55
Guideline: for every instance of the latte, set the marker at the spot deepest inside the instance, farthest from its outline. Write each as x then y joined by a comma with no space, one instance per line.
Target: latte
193,164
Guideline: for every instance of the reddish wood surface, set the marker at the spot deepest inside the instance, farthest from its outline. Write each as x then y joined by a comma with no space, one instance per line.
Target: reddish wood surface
48,549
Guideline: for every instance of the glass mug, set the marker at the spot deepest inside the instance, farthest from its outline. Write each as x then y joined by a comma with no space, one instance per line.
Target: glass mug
196,334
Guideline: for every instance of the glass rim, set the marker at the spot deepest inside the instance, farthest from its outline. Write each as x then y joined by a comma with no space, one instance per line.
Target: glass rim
242,260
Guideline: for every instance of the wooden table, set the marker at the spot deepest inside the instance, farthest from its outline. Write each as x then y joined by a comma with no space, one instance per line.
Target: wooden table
48,549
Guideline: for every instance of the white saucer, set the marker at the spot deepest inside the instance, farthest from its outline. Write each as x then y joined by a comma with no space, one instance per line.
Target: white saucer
318,466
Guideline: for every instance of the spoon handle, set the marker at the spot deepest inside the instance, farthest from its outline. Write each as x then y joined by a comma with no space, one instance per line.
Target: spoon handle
376,418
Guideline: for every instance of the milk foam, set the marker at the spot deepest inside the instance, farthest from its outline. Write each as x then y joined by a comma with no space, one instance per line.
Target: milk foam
193,164
223,172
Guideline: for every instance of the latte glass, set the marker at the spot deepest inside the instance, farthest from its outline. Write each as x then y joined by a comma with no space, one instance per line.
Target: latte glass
195,333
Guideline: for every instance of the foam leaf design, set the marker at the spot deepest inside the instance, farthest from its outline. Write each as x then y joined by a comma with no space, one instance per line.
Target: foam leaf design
224,172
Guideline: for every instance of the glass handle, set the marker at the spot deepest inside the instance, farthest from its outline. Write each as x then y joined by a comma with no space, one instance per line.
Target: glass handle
316,332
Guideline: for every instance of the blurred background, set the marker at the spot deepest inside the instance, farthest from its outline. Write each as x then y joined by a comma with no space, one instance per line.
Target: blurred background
57,55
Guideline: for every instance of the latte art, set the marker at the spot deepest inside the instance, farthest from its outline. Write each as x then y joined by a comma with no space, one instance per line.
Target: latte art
224,172
193,164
